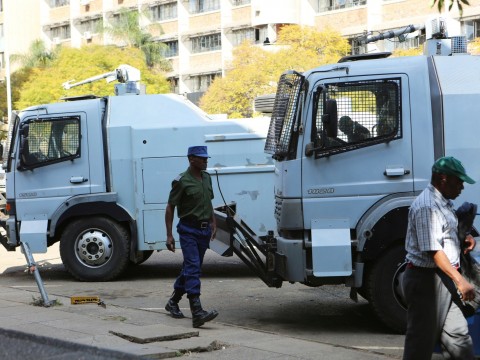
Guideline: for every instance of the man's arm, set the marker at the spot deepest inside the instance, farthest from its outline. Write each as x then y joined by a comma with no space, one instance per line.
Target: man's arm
464,287
213,225
169,212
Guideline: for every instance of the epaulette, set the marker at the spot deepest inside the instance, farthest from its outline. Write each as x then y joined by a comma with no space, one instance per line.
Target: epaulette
177,179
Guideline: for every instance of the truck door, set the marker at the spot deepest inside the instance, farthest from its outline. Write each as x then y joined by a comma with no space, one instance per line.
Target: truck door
52,164
362,147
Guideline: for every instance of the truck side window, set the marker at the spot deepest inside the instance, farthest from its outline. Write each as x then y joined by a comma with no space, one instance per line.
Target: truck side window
50,141
369,113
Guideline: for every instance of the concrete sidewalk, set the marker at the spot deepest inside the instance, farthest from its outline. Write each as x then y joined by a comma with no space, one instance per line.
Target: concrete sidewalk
142,332
154,334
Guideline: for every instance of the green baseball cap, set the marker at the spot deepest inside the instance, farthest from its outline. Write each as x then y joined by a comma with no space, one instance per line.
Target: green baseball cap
451,166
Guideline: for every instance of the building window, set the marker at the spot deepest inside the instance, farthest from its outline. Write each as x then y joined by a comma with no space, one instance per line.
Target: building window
239,36
94,25
241,2
261,34
202,82
329,5
58,3
2,60
471,29
405,44
199,6
61,32
206,43
173,85
357,47
164,11
1,5
171,49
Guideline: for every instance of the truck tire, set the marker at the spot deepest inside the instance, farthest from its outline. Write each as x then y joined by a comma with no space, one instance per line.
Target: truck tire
380,288
95,249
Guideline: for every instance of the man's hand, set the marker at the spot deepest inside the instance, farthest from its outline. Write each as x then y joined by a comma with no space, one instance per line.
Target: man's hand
469,244
213,226
171,243
467,291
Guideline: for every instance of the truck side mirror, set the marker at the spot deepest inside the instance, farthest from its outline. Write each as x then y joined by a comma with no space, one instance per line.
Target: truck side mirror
24,148
330,118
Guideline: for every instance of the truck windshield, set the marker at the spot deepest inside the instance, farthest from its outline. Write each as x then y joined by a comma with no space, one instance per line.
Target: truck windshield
283,122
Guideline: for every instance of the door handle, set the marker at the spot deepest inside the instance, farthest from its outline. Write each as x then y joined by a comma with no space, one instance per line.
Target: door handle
78,179
395,172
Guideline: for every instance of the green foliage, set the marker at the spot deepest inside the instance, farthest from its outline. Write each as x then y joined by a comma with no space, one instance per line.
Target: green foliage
17,79
255,70
441,3
37,56
127,29
407,52
79,64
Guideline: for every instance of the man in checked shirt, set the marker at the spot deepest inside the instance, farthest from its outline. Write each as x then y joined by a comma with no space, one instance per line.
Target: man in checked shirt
433,249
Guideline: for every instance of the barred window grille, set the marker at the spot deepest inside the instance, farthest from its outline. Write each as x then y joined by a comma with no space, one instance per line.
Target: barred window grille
171,49
206,43
199,6
51,141
164,11
284,114
368,113
241,2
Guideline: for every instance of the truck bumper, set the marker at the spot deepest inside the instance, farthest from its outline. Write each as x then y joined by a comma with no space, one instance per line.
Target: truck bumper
5,224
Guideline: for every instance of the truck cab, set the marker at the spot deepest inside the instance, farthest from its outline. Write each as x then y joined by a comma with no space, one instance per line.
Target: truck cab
354,143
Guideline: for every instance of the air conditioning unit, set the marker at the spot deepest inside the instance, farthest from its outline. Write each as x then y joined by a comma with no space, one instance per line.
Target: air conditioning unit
84,2
87,35
56,40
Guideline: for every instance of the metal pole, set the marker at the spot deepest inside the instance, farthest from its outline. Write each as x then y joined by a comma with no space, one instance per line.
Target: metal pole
32,267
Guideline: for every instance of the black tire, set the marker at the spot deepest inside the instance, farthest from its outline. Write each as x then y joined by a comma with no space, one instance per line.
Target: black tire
380,287
95,249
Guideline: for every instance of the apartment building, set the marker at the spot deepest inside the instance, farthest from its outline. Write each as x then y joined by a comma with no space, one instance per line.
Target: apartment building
200,35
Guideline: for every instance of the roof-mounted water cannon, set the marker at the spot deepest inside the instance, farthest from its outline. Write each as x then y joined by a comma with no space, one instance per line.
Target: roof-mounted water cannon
439,35
127,76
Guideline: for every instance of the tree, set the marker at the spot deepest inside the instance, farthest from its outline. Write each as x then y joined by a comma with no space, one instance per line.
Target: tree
441,3
254,71
37,56
407,52
127,29
45,84
249,76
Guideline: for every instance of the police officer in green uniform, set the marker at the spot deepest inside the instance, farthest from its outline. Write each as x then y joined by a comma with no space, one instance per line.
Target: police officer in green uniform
192,195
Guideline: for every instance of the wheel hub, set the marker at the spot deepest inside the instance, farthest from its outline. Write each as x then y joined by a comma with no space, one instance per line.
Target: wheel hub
94,248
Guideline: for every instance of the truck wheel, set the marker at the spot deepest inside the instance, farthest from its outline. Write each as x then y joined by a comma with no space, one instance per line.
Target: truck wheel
380,289
95,249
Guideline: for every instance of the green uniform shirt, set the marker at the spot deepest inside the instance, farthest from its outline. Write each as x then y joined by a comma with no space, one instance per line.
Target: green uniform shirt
192,197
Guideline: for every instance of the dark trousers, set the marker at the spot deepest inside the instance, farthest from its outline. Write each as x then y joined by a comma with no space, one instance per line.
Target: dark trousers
433,317
194,243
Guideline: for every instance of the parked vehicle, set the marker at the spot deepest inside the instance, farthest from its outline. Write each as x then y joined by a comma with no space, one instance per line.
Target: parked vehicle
353,144
94,173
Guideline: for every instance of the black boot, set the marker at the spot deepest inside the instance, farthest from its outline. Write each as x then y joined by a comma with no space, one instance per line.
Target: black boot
200,316
172,305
